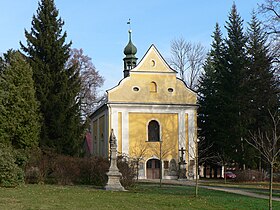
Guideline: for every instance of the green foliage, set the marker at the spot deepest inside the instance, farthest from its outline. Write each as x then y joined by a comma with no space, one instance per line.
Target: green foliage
236,90
57,86
10,173
19,118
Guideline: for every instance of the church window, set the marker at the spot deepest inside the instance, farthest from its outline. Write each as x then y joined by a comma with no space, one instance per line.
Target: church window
153,131
153,63
153,87
170,90
135,88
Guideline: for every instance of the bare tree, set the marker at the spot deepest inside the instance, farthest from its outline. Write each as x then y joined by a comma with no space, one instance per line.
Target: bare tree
90,80
271,12
139,151
163,149
200,152
268,144
187,58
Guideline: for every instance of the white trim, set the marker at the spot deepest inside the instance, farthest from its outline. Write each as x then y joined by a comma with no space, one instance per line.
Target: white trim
125,132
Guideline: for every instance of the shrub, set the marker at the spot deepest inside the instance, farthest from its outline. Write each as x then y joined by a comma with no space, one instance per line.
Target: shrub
93,171
128,172
250,175
10,173
49,167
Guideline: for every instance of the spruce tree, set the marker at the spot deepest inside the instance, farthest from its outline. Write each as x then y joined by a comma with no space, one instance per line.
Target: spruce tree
56,86
19,109
263,87
210,99
235,87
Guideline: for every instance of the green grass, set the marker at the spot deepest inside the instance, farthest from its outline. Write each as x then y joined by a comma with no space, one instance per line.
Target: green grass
143,196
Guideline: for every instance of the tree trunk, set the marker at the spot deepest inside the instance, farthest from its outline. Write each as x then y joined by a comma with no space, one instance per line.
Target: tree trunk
270,186
196,177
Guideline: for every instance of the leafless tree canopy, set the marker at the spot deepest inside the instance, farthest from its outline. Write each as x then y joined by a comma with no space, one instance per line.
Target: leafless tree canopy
90,80
268,142
271,12
187,58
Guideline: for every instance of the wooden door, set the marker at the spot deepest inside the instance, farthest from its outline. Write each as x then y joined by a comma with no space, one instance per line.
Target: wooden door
153,169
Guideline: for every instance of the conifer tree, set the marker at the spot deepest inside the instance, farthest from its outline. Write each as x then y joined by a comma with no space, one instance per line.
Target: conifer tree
210,99
56,85
263,86
19,109
234,87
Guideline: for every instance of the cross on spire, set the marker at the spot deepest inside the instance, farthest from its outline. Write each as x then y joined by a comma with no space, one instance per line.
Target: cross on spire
129,23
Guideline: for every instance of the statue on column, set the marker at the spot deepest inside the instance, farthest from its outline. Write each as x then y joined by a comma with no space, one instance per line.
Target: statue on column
113,173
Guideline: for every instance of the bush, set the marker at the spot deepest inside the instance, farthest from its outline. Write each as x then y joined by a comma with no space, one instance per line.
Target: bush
10,173
250,175
49,167
128,172
93,171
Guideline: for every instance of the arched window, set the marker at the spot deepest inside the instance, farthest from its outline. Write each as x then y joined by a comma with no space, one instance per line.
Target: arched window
153,87
153,131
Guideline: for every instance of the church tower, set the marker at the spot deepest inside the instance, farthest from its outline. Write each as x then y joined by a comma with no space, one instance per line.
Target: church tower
130,60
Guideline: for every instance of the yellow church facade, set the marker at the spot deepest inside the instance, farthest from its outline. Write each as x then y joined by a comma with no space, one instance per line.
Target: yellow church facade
153,116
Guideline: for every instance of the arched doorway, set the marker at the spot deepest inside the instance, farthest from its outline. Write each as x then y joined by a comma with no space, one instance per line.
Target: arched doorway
153,169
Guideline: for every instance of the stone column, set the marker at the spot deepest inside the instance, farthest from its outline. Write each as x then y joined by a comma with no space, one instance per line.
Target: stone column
113,174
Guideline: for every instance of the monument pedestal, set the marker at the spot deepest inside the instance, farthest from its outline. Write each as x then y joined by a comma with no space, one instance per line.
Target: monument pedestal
113,173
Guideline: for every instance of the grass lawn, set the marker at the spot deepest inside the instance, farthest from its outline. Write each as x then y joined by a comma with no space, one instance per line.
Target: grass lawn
143,196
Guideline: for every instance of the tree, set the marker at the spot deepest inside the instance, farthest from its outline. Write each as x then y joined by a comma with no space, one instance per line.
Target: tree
90,80
139,151
57,87
234,88
211,119
187,58
19,109
263,86
271,11
267,142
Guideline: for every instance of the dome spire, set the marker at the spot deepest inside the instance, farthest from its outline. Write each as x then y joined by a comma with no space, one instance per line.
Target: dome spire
130,51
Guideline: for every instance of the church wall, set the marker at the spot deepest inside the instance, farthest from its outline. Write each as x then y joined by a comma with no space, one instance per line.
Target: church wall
99,132
138,135
165,82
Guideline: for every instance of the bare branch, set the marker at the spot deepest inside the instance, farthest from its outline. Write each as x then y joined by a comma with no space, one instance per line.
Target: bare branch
187,58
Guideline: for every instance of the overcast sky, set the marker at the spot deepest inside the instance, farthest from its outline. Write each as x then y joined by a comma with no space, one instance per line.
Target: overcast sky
100,27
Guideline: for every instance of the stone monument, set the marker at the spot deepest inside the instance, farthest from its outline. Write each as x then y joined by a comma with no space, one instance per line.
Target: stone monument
113,173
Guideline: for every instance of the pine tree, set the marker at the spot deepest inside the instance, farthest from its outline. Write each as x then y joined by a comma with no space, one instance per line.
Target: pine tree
19,109
56,85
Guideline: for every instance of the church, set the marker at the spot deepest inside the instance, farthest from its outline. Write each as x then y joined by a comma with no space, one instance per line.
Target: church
153,115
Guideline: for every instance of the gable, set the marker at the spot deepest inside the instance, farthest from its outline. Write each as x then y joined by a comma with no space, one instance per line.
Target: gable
152,81
153,62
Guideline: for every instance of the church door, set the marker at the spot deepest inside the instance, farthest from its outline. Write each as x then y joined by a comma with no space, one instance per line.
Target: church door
153,169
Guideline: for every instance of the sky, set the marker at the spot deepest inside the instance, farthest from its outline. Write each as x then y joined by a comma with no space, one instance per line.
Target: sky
100,27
